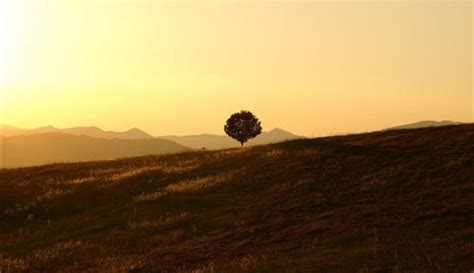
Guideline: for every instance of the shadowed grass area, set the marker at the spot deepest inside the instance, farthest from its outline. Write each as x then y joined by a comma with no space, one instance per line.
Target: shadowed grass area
397,201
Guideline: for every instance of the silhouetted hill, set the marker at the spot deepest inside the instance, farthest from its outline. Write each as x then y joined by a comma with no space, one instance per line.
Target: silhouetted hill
39,149
393,201
94,132
424,124
213,142
6,130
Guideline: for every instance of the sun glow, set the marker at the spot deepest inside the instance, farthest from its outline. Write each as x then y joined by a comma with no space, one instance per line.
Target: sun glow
313,68
7,28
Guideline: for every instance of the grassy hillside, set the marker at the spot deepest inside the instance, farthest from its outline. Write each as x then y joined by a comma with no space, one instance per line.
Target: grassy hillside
398,201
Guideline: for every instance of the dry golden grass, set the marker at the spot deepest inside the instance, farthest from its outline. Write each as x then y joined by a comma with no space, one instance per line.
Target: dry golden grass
149,196
201,182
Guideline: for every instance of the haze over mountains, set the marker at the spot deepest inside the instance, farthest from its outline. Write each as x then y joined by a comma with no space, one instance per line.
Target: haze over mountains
28,147
214,142
45,148
207,141
44,145
95,132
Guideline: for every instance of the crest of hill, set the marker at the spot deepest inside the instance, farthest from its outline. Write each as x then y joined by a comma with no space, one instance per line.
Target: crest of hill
391,201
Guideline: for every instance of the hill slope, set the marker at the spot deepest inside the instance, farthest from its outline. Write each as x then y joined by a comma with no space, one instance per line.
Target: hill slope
213,142
40,149
396,201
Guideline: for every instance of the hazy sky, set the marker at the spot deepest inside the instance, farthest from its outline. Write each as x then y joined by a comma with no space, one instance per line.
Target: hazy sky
314,68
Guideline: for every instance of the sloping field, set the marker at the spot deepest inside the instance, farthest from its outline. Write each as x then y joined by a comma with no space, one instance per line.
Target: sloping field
396,201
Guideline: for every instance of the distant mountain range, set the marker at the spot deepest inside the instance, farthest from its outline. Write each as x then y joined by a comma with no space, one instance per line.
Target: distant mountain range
27,147
424,124
44,148
207,141
214,142
95,132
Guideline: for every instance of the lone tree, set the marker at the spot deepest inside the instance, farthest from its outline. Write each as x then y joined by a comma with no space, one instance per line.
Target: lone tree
243,126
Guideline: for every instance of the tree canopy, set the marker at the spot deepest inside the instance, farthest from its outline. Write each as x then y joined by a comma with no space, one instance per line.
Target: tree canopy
243,126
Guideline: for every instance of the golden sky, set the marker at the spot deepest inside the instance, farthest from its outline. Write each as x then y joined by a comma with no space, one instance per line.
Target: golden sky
314,68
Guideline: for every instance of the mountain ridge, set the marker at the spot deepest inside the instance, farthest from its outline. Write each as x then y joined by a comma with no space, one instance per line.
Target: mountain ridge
215,142
47,148
197,141
92,131
424,124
